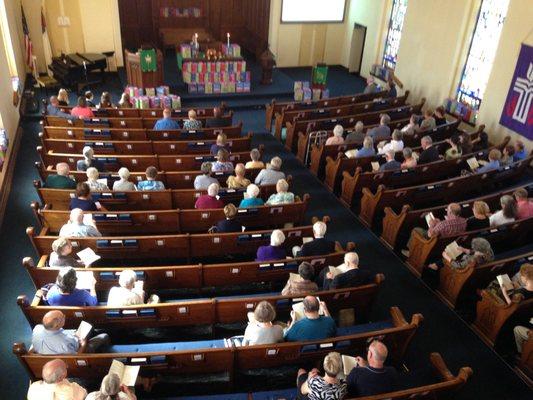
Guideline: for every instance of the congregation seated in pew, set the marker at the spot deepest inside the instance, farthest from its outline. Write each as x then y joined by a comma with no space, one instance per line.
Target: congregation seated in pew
271,174
440,116
223,163
520,152
217,121
261,328
129,292
60,180
382,131
390,162
316,323
310,385
111,388
282,195
524,205
191,123
62,256
429,152
166,123
274,251
229,224
455,151
318,246
409,161
395,144
125,101
221,143
480,218
522,286
428,123
83,199
78,226
507,214
250,197
348,274
337,137
89,161
55,384
210,199
89,96
49,338
410,128
123,184
82,110
357,135
65,293
238,181
105,101
495,156
92,181
255,157
371,86
150,183
53,109
202,182
304,284
366,151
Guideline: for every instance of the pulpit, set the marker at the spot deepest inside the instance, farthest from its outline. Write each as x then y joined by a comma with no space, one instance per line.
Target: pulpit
138,78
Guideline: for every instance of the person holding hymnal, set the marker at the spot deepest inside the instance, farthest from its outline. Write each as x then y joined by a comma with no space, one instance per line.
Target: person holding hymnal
514,292
347,275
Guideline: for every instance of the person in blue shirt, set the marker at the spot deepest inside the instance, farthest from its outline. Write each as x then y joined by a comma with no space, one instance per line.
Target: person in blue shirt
391,163
494,162
519,151
150,183
53,110
368,148
166,123
64,292
252,191
313,326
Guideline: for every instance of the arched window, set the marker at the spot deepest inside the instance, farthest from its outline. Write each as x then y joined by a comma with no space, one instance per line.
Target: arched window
481,53
394,33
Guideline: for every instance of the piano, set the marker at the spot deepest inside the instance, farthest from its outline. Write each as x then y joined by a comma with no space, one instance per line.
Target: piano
73,70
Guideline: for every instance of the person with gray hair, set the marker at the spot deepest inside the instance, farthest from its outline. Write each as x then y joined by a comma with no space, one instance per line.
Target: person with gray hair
409,161
53,110
330,386
366,151
283,196
261,329
55,384
77,226
61,255
395,144
112,389
371,376
430,153
316,324
350,276
507,214
255,162
209,200
382,131
337,137
428,123
319,246
271,174
250,197
357,135
274,251
391,164
202,182
61,179
89,161
123,184
303,285
128,293
92,181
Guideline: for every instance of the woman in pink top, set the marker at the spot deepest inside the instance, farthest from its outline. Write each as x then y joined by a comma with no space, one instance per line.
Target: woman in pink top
81,110
337,136
409,159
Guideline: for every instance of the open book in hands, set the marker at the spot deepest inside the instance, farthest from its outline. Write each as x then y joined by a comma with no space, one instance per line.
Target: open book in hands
429,216
348,363
83,330
88,219
85,280
88,256
473,163
299,313
375,166
453,250
505,282
127,373
341,269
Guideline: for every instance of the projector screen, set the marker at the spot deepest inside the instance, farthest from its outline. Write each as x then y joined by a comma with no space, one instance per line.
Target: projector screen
298,11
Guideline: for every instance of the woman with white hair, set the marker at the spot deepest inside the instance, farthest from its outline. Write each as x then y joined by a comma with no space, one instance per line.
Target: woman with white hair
337,138
209,200
92,181
123,184
319,246
112,389
128,293
283,196
275,251
250,197
271,174
89,161
238,181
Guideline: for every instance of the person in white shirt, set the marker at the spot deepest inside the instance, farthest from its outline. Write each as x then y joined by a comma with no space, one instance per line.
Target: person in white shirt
128,293
55,385
507,214
76,226
396,144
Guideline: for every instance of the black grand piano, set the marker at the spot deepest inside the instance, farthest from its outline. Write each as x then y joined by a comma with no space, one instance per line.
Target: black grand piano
74,70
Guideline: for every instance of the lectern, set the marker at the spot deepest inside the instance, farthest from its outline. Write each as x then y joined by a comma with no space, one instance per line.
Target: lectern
143,79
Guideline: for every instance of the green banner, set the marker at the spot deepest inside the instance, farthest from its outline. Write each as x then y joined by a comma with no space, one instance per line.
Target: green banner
148,60
320,75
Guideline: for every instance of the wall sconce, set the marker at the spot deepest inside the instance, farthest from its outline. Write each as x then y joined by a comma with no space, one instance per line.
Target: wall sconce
15,83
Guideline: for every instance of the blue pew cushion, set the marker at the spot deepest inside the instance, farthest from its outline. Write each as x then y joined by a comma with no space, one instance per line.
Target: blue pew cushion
170,346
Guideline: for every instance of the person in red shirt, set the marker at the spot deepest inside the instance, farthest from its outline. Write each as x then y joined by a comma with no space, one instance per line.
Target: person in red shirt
81,110
209,200
523,204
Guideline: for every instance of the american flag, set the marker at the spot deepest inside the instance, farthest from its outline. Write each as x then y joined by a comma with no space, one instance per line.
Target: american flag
28,46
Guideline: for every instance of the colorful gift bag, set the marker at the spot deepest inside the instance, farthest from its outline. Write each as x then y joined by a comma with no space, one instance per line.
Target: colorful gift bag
316,94
176,102
307,94
325,94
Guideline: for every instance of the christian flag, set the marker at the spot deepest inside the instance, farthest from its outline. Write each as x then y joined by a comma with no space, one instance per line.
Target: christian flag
517,112
28,47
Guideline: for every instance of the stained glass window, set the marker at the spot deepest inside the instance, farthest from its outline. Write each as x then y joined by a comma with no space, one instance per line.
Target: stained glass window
394,33
481,54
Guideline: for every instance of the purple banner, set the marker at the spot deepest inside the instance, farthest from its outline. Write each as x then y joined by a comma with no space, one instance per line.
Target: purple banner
517,113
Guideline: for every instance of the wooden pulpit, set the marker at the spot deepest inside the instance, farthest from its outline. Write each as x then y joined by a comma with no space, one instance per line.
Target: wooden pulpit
143,79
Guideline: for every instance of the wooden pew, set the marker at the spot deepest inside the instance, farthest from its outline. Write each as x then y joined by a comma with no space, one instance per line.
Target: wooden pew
454,284
493,313
202,361
422,250
291,116
120,122
176,220
370,118
274,107
59,199
352,186
181,246
525,365
162,147
397,226
81,133
190,312
446,191
194,276
139,162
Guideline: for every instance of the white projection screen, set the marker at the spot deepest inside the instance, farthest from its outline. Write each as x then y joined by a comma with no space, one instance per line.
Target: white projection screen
301,11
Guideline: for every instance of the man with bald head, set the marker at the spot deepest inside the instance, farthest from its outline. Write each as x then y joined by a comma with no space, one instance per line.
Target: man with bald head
52,109
50,337
55,384
77,227
351,277
371,376
313,326
166,123
60,180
